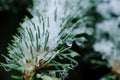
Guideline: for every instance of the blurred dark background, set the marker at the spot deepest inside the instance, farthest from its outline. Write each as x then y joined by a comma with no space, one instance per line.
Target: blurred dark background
12,12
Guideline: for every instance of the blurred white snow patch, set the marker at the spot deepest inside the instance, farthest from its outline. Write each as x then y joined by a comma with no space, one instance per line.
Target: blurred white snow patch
85,4
106,8
104,46
114,5
103,9
108,25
